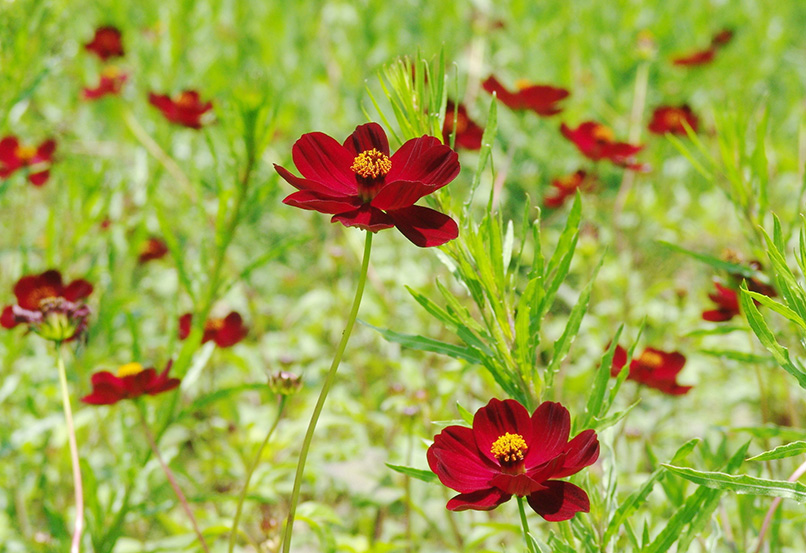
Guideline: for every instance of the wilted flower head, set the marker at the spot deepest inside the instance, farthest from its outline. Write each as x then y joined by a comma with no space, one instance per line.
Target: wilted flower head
52,310
129,382
596,142
363,186
224,332
285,383
567,186
468,133
671,119
36,160
154,248
654,368
507,452
111,83
184,109
542,99
106,43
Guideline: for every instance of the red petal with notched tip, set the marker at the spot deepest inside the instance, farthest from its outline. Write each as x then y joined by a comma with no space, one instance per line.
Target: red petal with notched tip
480,500
423,226
561,501
320,158
456,460
497,418
426,160
365,217
322,201
369,136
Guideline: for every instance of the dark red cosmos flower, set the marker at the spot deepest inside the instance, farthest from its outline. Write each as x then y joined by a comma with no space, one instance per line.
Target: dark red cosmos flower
468,133
508,453
654,368
129,382
727,302
596,142
111,83
567,186
184,109
52,310
37,161
700,57
670,119
154,248
224,332
363,186
722,38
542,99
106,43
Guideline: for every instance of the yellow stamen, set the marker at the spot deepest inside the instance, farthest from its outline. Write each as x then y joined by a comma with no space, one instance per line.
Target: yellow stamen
509,448
110,72
371,164
129,369
520,84
600,132
25,153
674,118
186,100
651,359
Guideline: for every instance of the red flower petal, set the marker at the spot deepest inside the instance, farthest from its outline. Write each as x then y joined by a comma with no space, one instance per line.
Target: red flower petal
8,150
316,186
160,101
40,178
516,484
184,325
232,332
45,151
561,501
401,194
580,452
76,290
456,460
481,500
320,158
7,319
552,426
322,202
425,160
365,217
423,226
367,137
499,417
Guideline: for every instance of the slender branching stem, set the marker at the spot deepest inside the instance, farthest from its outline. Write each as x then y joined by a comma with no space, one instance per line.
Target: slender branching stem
800,471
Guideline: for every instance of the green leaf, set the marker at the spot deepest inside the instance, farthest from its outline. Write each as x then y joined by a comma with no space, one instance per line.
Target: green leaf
596,398
777,307
421,343
743,484
781,452
419,474
715,262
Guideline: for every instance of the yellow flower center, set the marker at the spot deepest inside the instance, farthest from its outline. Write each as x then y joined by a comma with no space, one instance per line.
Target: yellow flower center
602,133
129,369
674,118
651,359
186,100
371,164
110,72
520,84
509,449
214,325
25,153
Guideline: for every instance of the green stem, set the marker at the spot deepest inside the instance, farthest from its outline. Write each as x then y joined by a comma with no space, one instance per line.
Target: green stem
525,526
253,466
75,544
329,379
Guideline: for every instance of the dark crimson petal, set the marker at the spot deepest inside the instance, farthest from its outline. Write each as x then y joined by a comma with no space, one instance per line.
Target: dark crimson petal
482,500
718,315
470,138
40,178
401,194
671,364
493,85
456,460
139,384
561,501
697,58
367,137
322,202
103,394
7,319
77,290
425,160
552,426
619,360
365,217
516,484
497,418
423,226
621,150
320,158
316,186
581,452
8,150
232,332
160,101
184,325
45,151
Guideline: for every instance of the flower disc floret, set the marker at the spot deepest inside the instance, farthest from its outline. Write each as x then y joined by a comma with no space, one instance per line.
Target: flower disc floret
509,449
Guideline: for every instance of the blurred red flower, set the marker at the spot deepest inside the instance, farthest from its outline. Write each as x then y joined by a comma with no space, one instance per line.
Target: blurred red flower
722,38
224,332
52,310
468,133
154,248
542,99
106,43
654,368
596,142
184,109
567,186
129,382
37,161
363,186
507,452
111,83
727,302
700,57
670,119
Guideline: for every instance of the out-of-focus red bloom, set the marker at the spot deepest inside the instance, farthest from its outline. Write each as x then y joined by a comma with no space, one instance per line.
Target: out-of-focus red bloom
654,368
49,308
507,453
596,142
468,133
670,119
542,99
184,109
567,186
37,161
129,382
700,57
727,301
111,83
722,38
154,248
224,332
106,43
363,186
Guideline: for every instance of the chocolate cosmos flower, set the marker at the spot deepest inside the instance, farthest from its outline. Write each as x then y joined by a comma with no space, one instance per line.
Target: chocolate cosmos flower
184,109
507,453
154,248
727,304
364,186
130,381
542,99
224,332
568,186
106,43
596,142
111,83
654,368
468,133
15,156
670,119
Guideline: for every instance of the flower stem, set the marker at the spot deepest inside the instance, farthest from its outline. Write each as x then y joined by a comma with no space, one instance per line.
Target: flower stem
255,463
329,379
171,479
75,545
800,471
525,526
